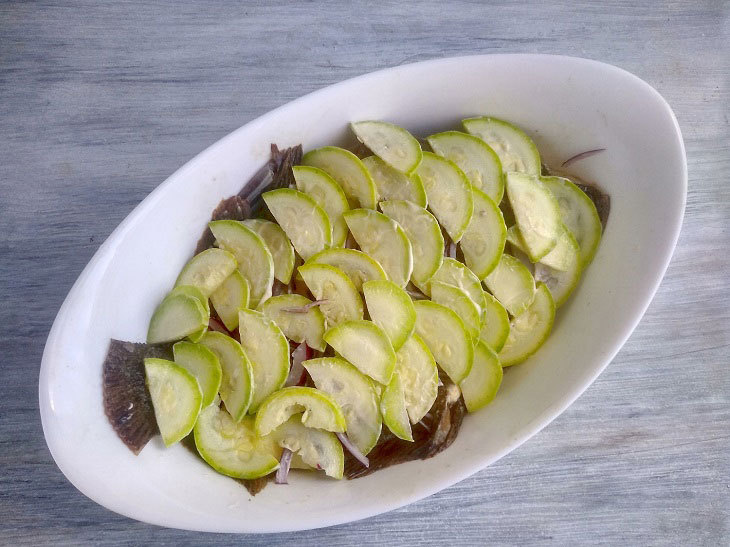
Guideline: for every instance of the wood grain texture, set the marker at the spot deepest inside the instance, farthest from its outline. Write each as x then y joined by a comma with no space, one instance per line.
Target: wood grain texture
100,102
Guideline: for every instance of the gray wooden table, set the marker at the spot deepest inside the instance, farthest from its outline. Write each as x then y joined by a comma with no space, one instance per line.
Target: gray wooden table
100,102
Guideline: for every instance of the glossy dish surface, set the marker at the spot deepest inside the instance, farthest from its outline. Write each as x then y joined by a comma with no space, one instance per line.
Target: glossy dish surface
567,105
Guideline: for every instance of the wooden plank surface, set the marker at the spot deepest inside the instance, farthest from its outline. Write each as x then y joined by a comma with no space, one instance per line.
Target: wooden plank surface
101,101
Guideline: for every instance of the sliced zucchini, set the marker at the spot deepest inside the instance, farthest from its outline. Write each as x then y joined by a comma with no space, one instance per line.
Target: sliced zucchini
278,244
453,272
328,283
207,270
300,327
365,345
393,144
562,283
232,295
355,394
233,448
393,409
391,309
203,365
512,284
482,384
395,185
530,329
236,386
305,222
176,317
349,172
537,214
325,191
446,337
483,241
495,324
319,410
268,350
579,214
384,240
254,258
515,149
419,376
449,194
560,258
176,398
424,233
474,157
358,266
457,300
194,292
317,449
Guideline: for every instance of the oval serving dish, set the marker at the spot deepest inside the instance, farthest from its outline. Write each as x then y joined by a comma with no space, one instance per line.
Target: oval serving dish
566,105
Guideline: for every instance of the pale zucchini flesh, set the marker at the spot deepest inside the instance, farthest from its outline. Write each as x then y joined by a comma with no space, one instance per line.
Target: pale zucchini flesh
383,239
349,172
319,410
474,157
176,317
419,376
536,212
459,302
325,191
305,223
236,387
268,351
358,266
232,447
342,302
457,274
394,185
393,409
299,327
232,295
317,449
561,283
483,241
424,233
512,284
207,270
393,144
281,249
449,193
578,213
515,149
481,385
495,324
365,345
391,309
254,259
203,364
446,337
355,394
176,398
530,329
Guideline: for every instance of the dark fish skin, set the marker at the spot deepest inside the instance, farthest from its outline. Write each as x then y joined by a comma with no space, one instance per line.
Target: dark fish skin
127,402
276,173
432,435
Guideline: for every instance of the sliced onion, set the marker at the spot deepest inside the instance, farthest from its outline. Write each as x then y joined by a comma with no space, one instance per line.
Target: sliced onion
306,307
452,250
582,155
284,463
215,325
416,295
297,372
352,449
